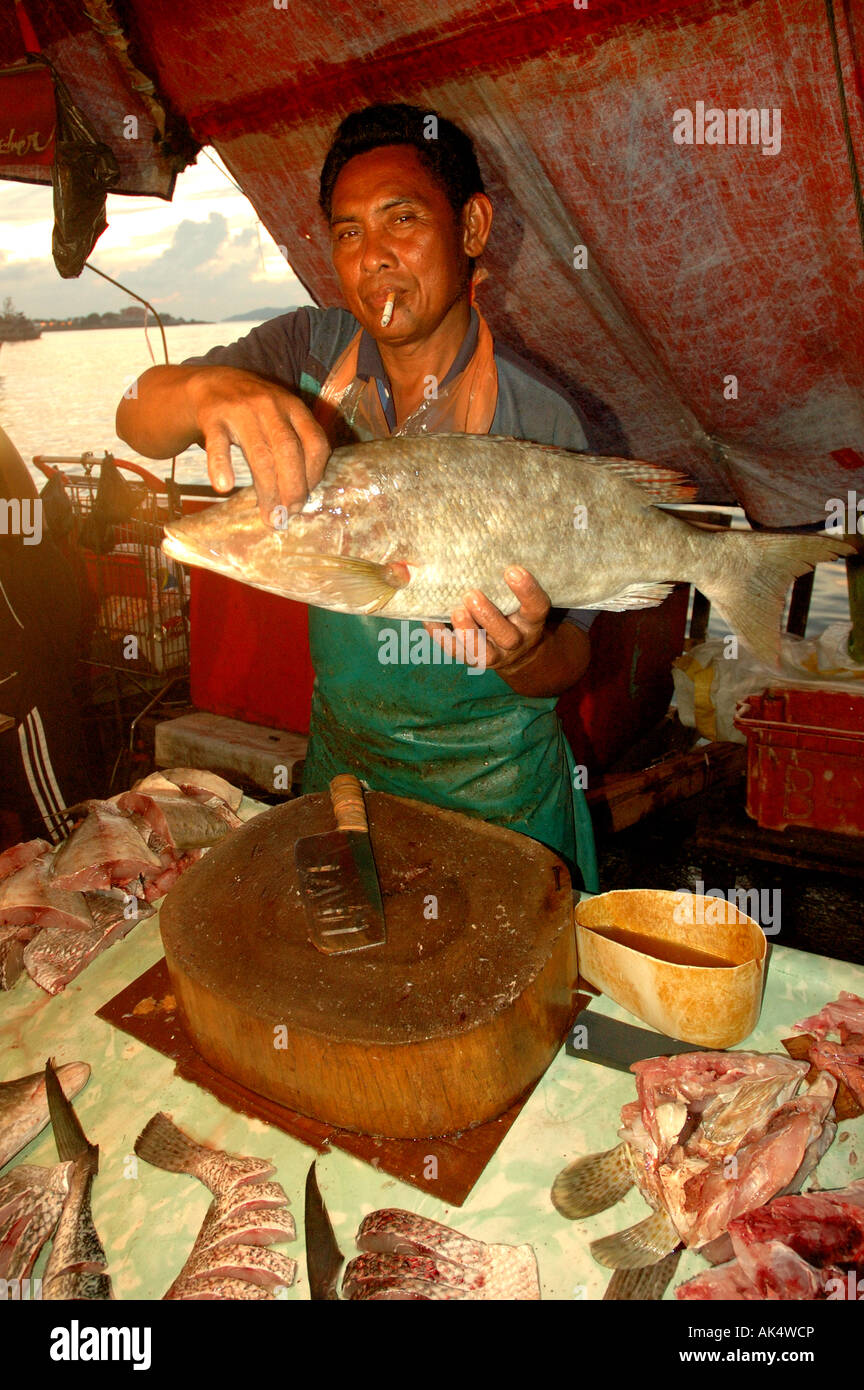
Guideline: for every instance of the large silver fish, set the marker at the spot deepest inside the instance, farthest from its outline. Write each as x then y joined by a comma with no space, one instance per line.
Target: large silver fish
406,526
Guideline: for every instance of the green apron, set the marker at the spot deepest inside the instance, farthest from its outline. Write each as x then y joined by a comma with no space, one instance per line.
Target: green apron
463,741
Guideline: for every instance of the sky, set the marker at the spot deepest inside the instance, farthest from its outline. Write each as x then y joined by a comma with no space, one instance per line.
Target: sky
204,255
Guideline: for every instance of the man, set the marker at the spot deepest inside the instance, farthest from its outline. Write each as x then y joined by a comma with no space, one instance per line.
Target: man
408,217
43,761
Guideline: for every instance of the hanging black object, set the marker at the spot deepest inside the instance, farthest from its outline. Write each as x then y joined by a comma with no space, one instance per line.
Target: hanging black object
57,508
84,170
116,502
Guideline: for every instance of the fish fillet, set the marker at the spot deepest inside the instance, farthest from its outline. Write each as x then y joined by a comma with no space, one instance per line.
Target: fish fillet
492,1272
28,897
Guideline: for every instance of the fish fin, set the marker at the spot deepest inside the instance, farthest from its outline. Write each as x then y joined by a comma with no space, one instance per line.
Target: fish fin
639,1246
645,1285
163,1145
659,483
634,596
343,582
761,568
71,1141
593,1183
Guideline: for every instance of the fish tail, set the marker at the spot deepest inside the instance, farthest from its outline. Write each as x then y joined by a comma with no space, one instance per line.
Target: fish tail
165,1146
751,581
642,1285
593,1183
639,1246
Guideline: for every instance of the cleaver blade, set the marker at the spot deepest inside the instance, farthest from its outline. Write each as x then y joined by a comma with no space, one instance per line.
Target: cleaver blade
338,878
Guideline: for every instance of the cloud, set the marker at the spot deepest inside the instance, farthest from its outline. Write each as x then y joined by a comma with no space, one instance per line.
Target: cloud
201,262
208,271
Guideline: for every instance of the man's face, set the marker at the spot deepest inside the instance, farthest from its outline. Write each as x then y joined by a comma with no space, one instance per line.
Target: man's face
393,229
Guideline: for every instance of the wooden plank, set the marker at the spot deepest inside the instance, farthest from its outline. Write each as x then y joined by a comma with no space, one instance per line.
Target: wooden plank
251,753
622,799
813,851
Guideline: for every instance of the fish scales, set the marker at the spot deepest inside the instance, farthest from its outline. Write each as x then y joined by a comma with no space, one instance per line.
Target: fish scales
76,1267
406,526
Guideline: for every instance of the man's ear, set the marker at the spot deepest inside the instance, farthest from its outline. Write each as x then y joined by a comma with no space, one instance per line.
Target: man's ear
476,224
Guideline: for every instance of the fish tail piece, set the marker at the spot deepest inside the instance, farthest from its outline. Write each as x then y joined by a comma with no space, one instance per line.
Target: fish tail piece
639,1246
163,1145
593,1183
642,1285
755,578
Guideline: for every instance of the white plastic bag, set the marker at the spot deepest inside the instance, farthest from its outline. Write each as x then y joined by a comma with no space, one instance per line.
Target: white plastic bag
713,678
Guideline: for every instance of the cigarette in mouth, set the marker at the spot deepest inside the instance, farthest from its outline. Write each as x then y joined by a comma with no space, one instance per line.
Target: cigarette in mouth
388,310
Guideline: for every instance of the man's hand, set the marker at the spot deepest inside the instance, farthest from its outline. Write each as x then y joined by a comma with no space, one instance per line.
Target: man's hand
534,658
483,636
284,445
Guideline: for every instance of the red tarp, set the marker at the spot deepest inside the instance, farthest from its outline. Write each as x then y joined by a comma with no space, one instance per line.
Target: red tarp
705,261
27,120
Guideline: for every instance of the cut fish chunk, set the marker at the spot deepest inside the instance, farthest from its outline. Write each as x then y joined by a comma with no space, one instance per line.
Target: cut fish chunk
216,1287
28,897
56,956
182,822
11,860
194,779
106,849
256,1263
491,1272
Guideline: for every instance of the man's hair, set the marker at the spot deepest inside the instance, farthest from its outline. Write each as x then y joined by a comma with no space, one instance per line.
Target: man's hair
445,150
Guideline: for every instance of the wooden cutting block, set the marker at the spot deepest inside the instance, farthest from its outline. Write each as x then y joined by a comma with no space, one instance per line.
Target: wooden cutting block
440,1029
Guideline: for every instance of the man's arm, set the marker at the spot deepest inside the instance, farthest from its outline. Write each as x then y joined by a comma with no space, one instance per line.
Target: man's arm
216,406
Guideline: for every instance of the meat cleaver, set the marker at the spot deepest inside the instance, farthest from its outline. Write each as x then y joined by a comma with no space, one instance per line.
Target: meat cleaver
338,878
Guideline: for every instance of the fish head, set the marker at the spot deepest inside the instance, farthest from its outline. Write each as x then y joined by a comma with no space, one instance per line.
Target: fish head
323,554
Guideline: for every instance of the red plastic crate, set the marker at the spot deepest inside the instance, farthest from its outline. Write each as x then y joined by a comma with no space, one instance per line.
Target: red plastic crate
805,759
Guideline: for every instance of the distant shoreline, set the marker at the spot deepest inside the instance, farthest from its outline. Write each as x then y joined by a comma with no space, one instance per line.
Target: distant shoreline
76,325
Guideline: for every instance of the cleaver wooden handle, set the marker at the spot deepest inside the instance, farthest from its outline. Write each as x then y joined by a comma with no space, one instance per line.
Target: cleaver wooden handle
349,809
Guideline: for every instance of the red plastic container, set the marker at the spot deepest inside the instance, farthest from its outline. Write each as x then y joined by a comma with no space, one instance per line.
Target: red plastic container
805,763
249,653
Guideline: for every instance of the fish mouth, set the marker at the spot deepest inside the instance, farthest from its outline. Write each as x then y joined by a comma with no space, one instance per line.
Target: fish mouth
177,548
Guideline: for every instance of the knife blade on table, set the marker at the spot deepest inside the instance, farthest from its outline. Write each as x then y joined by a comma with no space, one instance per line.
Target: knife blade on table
338,878
324,1259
